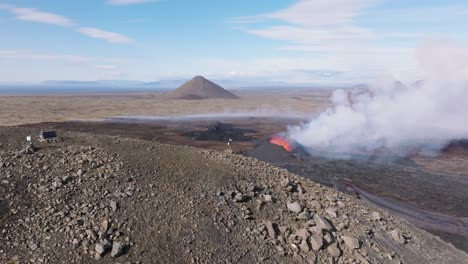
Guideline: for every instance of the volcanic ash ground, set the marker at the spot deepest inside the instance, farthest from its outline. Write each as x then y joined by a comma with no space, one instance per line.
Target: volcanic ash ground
96,199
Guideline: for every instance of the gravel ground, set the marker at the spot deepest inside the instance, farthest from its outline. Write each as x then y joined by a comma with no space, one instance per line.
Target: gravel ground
103,199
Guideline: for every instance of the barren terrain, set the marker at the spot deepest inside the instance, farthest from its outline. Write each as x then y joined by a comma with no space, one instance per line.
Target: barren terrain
17,109
101,199
429,192
428,196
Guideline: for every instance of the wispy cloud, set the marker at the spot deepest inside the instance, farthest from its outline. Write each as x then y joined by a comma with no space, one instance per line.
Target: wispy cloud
105,35
313,35
326,29
318,23
129,2
292,70
101,62
333,24
425,14
38,16
330,34
106,67
35,15
109,71
322,12
32,55
246,19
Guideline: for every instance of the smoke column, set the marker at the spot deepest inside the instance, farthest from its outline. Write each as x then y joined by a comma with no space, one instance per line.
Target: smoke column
389,115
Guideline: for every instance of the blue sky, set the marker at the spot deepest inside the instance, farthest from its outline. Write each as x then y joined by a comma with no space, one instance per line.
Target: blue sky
297,41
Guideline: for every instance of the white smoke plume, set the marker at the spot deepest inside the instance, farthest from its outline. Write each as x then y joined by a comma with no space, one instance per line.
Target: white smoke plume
389,115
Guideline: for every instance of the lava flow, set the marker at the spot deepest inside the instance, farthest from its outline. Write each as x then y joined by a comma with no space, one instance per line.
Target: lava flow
280,141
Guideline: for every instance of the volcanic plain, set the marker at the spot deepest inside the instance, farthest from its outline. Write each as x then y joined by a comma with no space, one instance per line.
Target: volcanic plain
230,136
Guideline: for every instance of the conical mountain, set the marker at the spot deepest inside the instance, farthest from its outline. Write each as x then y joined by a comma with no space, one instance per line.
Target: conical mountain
199,88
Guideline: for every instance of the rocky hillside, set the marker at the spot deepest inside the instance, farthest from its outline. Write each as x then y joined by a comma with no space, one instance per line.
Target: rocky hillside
96,199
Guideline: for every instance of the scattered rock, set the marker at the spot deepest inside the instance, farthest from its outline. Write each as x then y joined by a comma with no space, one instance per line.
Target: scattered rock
316,205
57,183
280,249
113,205
239,197
328,238
304,246
268,198
397,235
117,249
105,226
271,229
294,207
101,248
331,211
330,198
316,242
33,246
303,233
334,250
351,242
305,215
376,216
322,222
76,242
360,258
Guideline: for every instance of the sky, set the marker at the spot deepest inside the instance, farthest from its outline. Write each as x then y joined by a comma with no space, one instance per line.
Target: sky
293,41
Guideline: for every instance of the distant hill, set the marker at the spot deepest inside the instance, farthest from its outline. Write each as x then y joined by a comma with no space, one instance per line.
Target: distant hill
199,88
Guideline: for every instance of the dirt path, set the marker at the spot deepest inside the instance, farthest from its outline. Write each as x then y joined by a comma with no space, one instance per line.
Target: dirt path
421,218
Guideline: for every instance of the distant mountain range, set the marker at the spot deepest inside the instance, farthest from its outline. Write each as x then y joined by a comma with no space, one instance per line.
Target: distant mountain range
161,84
98,83
73,86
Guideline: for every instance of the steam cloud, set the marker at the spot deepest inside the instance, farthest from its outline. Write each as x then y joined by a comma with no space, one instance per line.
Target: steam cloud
389,115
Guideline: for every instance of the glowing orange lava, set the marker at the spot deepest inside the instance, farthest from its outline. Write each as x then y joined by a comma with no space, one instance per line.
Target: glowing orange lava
277,140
